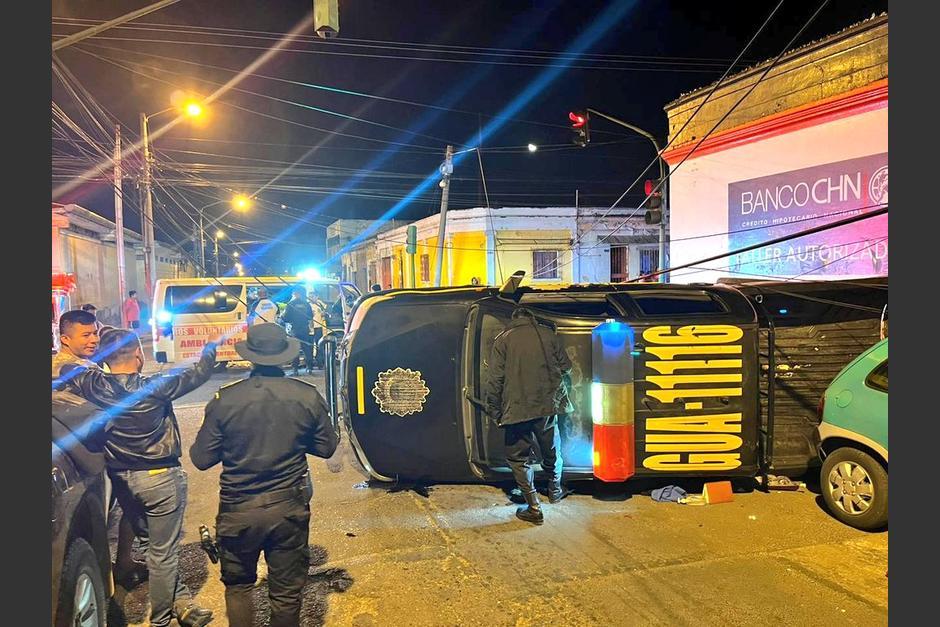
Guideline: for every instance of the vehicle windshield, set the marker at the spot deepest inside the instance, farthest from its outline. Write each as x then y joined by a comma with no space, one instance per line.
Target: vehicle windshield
201,299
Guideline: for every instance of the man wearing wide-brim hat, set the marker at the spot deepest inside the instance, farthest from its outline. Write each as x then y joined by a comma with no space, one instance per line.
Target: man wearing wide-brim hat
261,428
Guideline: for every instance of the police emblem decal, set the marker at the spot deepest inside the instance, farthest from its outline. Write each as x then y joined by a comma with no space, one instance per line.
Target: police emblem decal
878,186
400,392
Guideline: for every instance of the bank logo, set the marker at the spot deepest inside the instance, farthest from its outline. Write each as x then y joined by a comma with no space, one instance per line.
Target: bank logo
878,186
400,392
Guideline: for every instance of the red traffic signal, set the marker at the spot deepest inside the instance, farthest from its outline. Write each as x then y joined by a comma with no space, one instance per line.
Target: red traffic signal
654,201
581,125
654,196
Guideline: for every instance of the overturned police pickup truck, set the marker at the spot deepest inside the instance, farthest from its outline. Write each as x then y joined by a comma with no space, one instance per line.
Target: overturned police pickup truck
725,379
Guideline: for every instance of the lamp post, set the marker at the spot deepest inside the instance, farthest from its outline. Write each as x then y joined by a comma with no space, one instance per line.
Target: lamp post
218,235
191,109
240,202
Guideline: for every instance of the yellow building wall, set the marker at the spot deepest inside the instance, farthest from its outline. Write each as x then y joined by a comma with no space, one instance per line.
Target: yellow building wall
429,247
516,247
469,258
398,264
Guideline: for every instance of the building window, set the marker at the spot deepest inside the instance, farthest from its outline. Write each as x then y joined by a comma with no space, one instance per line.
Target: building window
425,268
619,263
544,264
649,261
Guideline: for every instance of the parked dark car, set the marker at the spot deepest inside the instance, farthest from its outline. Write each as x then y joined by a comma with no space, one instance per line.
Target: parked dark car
81,562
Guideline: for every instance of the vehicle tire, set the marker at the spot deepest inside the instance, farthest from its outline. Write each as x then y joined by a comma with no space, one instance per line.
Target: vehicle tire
854,486
81,592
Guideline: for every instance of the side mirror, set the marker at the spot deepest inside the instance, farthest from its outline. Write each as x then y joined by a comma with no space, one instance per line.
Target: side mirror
511,286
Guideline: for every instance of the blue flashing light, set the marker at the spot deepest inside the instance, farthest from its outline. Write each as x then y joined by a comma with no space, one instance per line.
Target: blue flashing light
310,274
784,311
164,316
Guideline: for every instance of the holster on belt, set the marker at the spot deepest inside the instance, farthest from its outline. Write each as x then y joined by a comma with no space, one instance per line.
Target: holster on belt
303,492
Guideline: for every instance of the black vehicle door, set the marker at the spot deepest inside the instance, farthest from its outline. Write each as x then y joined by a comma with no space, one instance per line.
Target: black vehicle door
573,316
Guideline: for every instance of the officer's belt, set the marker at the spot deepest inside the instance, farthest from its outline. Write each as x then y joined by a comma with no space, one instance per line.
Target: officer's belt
269,498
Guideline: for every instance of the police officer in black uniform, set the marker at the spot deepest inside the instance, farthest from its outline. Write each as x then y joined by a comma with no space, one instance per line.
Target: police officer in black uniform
261,428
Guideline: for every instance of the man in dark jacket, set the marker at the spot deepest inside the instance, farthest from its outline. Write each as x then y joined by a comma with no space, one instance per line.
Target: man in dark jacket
525,394
142,451
298,314
261,429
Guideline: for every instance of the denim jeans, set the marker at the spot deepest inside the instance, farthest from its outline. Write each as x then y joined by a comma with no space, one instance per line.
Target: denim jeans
154,501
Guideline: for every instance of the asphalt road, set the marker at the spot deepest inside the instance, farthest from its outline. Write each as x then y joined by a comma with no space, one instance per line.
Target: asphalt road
606,555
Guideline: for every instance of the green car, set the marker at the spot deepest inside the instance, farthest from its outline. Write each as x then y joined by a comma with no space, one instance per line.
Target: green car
853,435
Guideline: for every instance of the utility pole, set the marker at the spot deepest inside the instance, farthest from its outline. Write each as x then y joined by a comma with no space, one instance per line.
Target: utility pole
147,227
447,168
202,244
196,248
119,223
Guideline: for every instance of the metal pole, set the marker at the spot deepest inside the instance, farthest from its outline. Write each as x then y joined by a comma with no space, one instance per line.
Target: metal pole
196,248
216,256
664,277
446,171
662,177
202,244
119,224
147,227
577,230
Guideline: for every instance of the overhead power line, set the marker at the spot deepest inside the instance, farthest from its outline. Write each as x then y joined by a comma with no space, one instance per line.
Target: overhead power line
347,41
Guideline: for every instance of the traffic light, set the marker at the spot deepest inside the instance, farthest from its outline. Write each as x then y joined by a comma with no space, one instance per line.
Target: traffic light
581,125
653,190
411,240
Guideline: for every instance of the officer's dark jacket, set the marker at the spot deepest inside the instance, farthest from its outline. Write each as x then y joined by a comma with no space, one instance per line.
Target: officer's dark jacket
261,429
142,432
298,313
520,385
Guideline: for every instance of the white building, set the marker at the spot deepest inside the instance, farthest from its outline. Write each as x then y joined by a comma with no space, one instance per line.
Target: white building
808,147
83,245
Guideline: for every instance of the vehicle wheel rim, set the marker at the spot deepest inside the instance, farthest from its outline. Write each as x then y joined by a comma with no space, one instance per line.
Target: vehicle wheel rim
851,488
85,607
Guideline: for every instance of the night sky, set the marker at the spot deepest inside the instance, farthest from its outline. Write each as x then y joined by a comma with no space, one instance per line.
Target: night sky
478,56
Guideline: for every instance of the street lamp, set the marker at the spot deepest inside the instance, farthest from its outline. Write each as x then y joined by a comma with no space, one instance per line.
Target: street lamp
191,109
533,147
240,202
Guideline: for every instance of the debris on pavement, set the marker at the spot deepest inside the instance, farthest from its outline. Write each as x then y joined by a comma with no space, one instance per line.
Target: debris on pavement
716,492
776,482
668,494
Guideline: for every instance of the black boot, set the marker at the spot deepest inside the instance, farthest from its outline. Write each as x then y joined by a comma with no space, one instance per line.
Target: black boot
532,512
194,616
556,491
